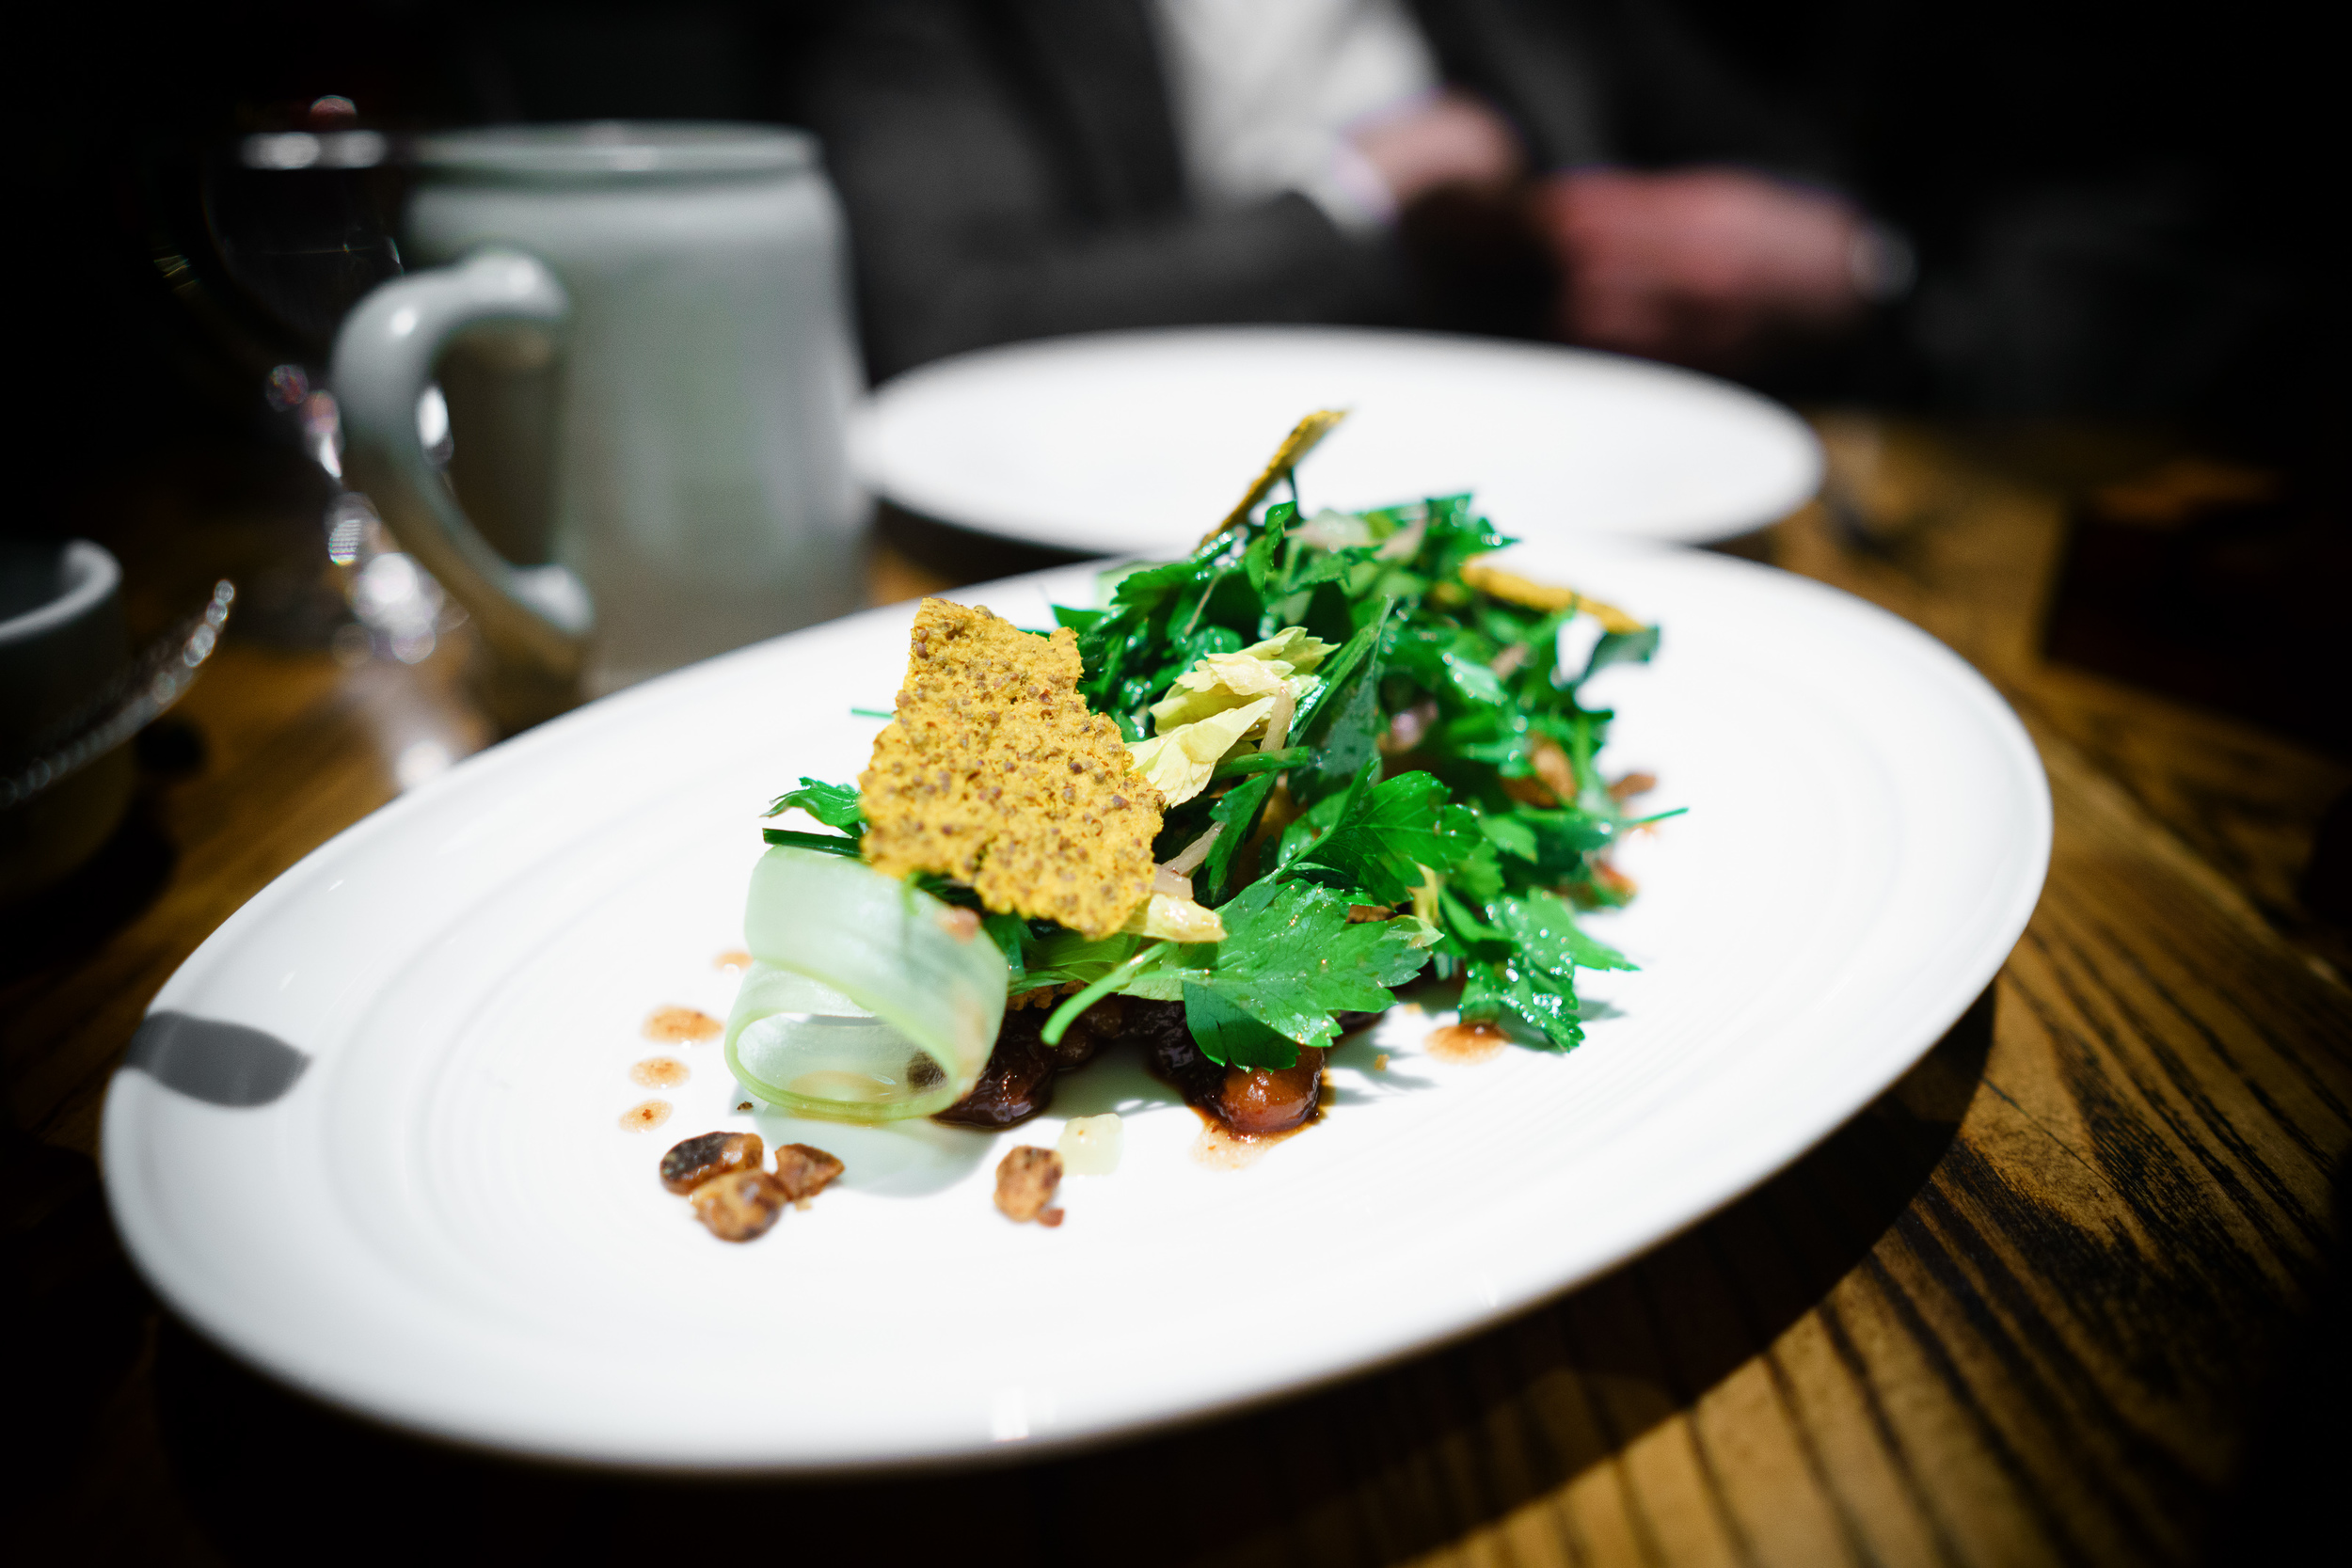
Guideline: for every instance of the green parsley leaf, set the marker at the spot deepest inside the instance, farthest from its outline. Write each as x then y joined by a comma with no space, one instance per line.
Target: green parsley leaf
835,805
1010,933
1621,647
1226,1033
1063,956
1545,1002
1289,961
1545,929
1339,671
1237,809
1385,834
1342,720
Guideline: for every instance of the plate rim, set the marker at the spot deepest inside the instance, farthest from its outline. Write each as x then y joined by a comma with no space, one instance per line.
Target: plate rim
1956,992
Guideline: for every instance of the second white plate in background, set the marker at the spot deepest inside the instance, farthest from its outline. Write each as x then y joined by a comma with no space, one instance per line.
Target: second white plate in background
1136,442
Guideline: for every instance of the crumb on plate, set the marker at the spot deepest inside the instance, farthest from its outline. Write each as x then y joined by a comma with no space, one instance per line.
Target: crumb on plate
1027,1180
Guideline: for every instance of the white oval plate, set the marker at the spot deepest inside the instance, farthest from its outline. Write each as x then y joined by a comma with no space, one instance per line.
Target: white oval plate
1134,443
442,1224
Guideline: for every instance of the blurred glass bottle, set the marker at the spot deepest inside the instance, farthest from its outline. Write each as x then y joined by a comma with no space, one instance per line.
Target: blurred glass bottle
267,238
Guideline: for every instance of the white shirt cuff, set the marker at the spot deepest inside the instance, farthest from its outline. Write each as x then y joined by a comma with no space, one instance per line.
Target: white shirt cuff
1350,191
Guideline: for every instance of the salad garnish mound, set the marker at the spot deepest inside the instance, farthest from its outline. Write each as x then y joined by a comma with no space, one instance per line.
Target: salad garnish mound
1224,815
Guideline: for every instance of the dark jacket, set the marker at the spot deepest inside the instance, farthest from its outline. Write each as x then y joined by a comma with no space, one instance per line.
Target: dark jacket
1011,170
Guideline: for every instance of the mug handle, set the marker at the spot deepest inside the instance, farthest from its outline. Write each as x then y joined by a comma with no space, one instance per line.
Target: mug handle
535,619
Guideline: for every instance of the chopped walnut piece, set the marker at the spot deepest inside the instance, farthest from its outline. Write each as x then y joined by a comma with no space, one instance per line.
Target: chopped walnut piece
1615,881
1552,766
1553,780
1025,1183
694,1160
740,1205
996,773
806,1171
1632,785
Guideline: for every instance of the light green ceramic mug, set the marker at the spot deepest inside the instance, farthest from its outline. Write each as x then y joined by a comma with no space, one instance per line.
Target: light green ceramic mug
643,332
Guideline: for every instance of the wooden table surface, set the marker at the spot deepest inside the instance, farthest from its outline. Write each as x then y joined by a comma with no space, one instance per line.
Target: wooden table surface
2039,1304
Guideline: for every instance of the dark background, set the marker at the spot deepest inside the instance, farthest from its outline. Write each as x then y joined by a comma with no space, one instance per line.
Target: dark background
2195,130
2174,149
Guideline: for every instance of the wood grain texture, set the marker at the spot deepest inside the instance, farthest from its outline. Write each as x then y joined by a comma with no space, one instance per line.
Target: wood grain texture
2019,1311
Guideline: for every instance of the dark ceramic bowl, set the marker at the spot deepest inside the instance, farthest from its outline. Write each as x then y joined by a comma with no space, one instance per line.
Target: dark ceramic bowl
62,645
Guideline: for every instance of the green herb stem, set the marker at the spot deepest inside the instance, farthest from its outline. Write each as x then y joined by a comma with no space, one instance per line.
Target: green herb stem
1262,762
831,844
1071,1008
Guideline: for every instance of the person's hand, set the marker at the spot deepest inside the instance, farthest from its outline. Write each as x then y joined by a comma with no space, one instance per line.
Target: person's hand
1700,266
1451,139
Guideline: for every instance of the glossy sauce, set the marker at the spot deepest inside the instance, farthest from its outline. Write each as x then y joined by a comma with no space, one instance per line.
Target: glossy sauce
1219,1148
1466,1043
681,1025
659,1072
1017,1081
1241,1104
1269,1101
645,1115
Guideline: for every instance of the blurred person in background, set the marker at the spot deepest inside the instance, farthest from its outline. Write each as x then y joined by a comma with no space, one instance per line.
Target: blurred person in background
2019,209
1584,170
2113,210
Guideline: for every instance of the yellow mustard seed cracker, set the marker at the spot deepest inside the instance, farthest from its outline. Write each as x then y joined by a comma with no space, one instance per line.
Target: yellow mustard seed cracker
995,772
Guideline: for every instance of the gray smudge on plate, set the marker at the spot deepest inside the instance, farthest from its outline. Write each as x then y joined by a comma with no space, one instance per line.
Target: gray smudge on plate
221,1064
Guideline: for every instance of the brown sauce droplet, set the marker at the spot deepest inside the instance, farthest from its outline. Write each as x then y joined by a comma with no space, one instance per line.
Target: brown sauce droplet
681,1025
734,957
1219,1148
1466,1043
659,1072
645,1115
